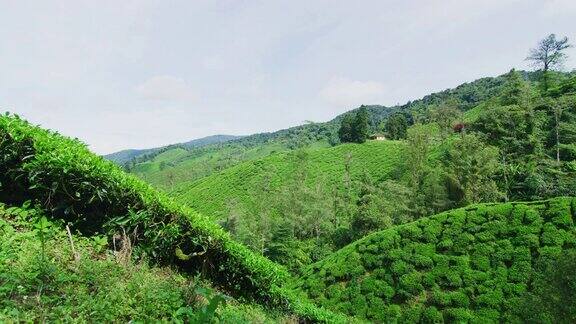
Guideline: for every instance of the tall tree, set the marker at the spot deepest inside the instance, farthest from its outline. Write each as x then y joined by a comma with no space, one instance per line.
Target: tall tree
418,147
471,167
446,115
516,90
361,126
345,133
549,53
396,126
419,144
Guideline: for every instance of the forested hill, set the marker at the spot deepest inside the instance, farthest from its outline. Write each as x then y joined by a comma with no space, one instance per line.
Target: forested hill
124,156
297,207
175,164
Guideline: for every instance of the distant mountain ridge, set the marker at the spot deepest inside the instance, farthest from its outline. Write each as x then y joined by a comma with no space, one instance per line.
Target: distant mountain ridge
174,165
121,157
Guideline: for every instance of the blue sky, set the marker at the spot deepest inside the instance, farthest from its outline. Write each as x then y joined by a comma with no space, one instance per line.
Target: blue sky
137,74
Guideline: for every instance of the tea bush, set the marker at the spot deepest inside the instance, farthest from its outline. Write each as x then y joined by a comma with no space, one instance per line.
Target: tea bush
52,284
95,196
474,264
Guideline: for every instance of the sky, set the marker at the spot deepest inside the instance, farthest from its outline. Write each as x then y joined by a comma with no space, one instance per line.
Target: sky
140,74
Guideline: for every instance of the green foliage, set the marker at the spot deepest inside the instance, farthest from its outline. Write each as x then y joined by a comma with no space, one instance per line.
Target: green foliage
94,285
361,129
396,126
445,116
379,206
70,183
469,264
239,185
552,298
471,167
346,131
355,127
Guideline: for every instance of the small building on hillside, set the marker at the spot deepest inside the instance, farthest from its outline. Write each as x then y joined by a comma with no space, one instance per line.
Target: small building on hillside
378,137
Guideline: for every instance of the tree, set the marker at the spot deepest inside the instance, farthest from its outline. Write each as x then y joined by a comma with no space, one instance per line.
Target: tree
355,127
396,126
446,116
516,90
418,148
379,207
561,114
361,126
549,53
345,133
471,167
512,129
419,143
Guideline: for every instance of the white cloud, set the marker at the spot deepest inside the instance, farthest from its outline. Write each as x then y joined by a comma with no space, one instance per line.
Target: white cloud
559,7
345,92
215,63
166,88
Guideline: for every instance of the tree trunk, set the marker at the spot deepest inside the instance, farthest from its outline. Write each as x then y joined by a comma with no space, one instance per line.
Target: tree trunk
556,118
505,178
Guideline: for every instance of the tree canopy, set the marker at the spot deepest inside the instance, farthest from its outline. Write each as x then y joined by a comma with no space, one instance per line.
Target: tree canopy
549,53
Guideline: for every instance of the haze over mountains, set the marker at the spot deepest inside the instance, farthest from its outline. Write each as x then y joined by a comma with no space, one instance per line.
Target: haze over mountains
124,156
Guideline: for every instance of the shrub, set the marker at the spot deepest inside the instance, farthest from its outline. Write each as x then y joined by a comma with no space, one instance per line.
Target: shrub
479,268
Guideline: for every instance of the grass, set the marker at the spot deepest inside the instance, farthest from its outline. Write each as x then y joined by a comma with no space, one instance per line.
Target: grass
210,195
474,264
85,282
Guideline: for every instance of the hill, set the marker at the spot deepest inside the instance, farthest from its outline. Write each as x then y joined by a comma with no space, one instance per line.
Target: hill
124,156
192,164
68,183
296,207
476,264
211,194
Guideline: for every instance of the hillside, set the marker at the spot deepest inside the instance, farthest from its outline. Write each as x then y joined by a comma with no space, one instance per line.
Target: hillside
68,183
240,183
193,164
297,207
480,264
47,275
124,156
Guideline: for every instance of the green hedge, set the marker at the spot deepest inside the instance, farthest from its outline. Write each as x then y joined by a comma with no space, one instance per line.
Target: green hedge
470,264
71,183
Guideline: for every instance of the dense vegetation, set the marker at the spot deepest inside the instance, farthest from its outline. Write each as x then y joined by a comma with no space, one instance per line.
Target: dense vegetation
298,198
484,263
299,206
47,275
69,183
354,127
298,195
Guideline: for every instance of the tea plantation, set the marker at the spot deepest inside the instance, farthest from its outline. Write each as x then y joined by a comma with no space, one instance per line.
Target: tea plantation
69,183
210,195
481,264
